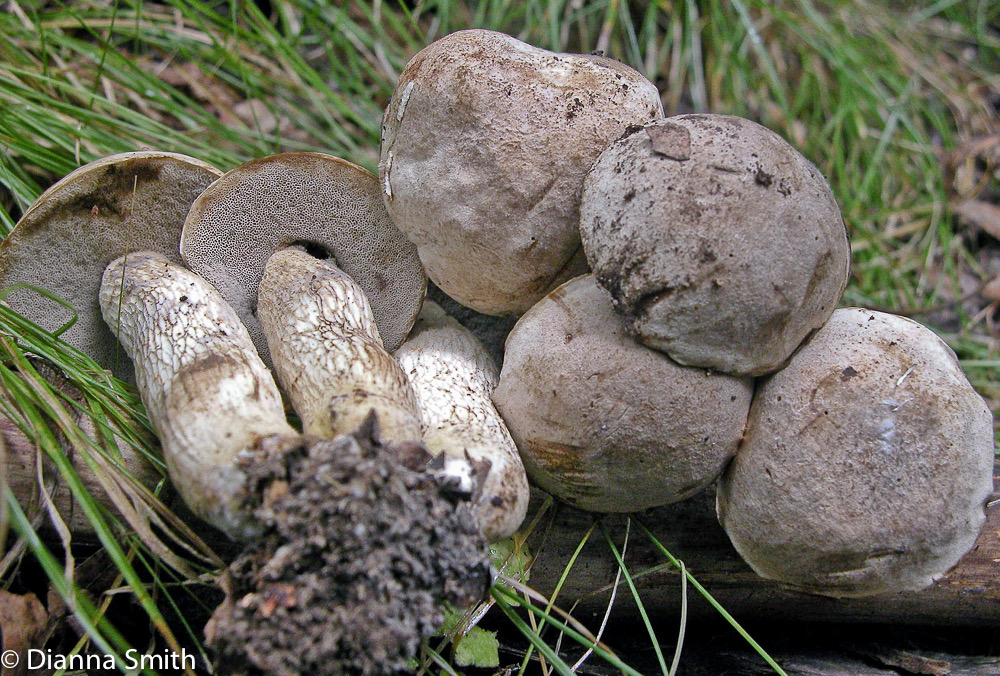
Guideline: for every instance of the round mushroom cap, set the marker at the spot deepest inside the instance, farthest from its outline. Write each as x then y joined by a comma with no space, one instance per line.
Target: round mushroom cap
867,462
330,206
605,423
119,204
720,243
485,144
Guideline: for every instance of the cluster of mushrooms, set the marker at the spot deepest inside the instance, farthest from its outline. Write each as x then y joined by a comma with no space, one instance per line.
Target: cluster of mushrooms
676,278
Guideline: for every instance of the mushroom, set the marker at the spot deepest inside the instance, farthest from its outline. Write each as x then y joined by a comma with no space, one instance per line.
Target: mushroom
867,462
122,203
485,144
719,242
208,394
325,203
361,555
453,376
490,330
327,351
605,423
352,549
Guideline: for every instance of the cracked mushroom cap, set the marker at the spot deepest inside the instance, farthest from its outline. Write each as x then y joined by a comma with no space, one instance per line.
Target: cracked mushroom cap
327,204
119,204
605,423
867,462
720,243
485,144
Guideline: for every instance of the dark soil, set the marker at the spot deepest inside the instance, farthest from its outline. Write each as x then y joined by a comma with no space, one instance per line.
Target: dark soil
361,554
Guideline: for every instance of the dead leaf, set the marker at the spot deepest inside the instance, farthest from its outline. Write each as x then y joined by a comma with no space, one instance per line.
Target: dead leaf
992,289
979,214
911,662
203,87
23,622
972,163
256,115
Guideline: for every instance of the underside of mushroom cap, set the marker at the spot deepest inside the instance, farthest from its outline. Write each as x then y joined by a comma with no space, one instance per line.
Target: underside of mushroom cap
122,203
325,203
866,464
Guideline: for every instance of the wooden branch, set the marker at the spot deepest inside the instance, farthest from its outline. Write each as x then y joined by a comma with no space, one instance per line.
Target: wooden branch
968,595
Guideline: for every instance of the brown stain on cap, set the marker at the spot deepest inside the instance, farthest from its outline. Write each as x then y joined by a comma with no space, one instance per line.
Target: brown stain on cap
670,140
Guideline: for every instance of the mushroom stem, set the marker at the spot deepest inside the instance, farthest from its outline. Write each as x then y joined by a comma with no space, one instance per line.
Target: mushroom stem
207,392
453,378
327,351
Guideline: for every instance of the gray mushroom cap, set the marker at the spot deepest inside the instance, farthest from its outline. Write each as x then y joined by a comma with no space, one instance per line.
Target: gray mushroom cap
720,243
311,199
485,144
119,204
605,423
866,465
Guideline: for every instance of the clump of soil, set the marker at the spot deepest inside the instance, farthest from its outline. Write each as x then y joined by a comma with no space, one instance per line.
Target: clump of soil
361,553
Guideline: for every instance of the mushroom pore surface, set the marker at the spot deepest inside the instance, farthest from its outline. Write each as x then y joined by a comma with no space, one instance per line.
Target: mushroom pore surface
311,198
866,465
121,203
605,423
720,243
485,144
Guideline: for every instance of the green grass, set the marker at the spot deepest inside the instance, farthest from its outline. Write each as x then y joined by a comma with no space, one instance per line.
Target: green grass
878,95
148,545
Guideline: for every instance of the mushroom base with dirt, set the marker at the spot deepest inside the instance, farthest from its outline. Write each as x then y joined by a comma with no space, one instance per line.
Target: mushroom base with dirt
360,555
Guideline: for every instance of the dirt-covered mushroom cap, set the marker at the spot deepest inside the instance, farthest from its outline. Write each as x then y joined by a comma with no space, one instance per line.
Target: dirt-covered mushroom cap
605,423
121,203
720,243
485,144
323,202
867,462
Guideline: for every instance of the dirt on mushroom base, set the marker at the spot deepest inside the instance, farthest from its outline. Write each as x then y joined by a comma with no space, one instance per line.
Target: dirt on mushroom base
360,556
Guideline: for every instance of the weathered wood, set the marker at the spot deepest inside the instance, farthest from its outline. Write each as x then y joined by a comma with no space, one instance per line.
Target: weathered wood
890,662
967,595
21,458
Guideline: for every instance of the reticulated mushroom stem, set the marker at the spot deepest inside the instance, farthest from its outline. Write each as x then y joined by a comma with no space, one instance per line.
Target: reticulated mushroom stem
327,351
207,392
453,378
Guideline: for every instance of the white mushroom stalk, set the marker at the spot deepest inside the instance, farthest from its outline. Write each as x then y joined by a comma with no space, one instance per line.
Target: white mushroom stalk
453,378
327,351
207,392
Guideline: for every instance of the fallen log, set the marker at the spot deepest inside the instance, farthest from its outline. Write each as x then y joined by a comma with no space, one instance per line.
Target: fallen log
968,595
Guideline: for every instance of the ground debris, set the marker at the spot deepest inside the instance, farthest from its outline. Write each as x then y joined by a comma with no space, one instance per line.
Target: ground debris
359,557
23,623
